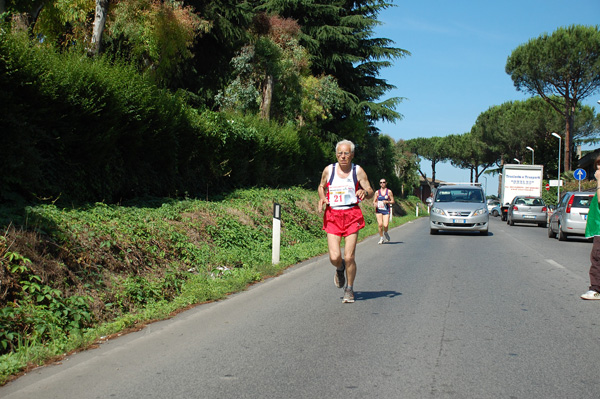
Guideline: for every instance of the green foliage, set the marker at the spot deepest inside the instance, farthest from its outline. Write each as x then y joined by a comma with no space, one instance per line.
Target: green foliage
562,68
211,69
434,149
40,312
90,133
406,168
338,35
273,56
562,64
102,131
65,23
158,35
507,130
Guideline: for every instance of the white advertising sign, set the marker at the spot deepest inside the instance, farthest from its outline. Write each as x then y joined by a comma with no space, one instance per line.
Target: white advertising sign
521,182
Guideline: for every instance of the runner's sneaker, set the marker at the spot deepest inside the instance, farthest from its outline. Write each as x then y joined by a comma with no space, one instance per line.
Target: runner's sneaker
591,295
387,236
348,296
339,279
380,241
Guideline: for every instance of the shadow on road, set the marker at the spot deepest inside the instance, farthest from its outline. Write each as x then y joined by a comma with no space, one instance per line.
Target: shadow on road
462,233
364,295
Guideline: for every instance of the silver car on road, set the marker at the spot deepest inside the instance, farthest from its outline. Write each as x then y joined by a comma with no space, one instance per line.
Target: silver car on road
570,216
459,207
526,209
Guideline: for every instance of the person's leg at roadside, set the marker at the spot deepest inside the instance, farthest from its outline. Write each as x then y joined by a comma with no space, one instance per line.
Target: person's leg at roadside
349,257
335,257
594,290
380,226
386,225
595,267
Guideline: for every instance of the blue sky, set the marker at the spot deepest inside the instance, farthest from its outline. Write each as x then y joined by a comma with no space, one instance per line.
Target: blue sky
458,54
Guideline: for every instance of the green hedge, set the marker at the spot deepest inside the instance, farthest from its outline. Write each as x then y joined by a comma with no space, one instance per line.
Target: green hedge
85,130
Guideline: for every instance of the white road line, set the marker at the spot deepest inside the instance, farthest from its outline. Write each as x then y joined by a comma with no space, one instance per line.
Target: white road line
571,273
555,263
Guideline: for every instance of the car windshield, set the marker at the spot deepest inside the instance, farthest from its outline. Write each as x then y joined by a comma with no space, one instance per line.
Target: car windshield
459,195
529,201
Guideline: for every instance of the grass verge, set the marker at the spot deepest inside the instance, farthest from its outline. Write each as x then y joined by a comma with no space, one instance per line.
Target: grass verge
72,277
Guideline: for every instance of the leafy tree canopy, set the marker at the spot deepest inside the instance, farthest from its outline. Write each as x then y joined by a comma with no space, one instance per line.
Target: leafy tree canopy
563,68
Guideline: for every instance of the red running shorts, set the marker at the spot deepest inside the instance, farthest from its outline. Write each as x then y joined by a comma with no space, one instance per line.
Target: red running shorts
343,222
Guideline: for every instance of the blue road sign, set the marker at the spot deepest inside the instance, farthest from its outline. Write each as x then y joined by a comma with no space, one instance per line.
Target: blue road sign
579,174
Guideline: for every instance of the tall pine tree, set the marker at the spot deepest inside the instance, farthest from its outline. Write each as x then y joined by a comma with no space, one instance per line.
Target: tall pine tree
339,37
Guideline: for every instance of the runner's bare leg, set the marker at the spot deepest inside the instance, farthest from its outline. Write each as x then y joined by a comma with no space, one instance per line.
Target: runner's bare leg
334,243
349,253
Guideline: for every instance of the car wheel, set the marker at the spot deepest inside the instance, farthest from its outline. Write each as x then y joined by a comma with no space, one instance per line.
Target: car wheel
495,213
542,224
433,231
562,236
551,234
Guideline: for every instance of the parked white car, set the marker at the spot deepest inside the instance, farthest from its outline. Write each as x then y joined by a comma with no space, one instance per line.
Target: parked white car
491,203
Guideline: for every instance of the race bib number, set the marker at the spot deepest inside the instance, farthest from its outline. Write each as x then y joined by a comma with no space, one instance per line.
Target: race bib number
381,205
341,195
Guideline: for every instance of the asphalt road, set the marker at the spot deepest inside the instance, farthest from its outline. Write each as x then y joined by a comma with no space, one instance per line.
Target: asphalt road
445,316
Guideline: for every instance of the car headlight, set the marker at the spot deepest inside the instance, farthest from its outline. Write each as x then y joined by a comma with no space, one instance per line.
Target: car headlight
438,211
479,212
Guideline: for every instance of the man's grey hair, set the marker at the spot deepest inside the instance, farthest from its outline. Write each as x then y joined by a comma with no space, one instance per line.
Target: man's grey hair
345,142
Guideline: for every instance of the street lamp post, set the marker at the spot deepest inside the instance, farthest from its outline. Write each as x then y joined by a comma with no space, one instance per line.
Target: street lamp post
532,155
515,159
558,183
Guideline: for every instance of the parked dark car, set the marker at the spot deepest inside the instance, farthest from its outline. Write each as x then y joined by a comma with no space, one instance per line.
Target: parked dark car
526,209
570,215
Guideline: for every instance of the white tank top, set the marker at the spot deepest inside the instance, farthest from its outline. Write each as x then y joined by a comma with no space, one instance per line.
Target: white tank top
342,191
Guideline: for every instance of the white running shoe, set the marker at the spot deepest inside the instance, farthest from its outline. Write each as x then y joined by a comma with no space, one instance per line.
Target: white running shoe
387,236
380,241
348,296
591,295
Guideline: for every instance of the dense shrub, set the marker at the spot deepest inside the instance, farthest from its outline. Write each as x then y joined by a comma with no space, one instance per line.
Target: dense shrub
83,129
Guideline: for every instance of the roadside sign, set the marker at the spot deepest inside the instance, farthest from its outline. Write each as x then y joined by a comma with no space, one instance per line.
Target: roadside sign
547,187
554,183
579,174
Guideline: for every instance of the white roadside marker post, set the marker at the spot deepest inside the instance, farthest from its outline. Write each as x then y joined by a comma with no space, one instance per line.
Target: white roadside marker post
276,232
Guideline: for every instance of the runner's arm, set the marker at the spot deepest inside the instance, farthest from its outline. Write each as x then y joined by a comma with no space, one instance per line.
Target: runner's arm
391,200
366,191
323,189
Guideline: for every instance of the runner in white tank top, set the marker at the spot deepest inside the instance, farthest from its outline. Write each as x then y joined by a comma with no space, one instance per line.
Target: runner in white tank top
339,194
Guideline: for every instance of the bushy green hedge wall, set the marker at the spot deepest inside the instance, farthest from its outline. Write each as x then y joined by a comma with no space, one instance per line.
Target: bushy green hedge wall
80,129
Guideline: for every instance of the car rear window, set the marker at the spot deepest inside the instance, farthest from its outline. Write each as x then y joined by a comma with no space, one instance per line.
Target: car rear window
582,202
529,201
